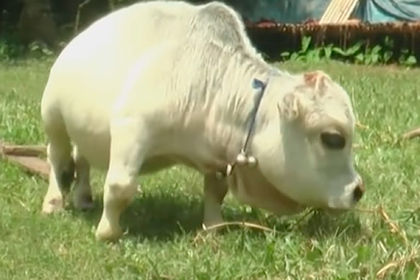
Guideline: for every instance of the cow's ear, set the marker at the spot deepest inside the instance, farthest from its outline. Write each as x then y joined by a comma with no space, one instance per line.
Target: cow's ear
290,106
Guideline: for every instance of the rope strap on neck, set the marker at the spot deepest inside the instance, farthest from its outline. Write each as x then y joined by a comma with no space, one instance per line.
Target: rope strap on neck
243,158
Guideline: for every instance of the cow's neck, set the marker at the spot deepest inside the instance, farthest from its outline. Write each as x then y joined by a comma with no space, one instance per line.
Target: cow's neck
237,100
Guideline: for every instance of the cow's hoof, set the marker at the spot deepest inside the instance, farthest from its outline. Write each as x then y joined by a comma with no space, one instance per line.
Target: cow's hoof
52,206
107,234
84,203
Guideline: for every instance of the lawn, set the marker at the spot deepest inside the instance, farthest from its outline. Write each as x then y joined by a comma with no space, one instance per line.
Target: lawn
164,238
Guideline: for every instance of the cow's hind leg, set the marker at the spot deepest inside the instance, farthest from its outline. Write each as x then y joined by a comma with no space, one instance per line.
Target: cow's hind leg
215,191
61,173
82,195
126,157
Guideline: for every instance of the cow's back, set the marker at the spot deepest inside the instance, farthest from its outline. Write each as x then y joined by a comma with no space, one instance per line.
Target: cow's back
91,71
96,62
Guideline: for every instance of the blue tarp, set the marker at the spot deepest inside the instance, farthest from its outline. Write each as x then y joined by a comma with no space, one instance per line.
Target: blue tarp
297,11
375,11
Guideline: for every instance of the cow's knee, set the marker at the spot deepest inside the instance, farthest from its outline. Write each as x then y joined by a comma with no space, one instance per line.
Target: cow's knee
128,141
120,186
61,175
215,191
82,196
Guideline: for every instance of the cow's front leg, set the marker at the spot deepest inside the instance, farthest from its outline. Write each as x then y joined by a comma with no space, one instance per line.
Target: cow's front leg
126,156
215,191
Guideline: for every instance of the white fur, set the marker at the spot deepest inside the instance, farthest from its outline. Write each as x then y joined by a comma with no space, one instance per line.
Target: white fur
161,83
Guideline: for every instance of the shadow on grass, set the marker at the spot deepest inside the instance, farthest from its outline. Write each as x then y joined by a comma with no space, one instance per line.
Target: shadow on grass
162,217
321,225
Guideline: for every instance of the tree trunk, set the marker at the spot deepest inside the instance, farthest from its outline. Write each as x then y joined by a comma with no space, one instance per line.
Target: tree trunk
36,23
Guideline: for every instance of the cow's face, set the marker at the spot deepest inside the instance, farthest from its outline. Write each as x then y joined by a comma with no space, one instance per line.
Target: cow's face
307,154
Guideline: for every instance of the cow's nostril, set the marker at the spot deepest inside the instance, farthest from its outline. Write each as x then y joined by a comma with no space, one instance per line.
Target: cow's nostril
358,193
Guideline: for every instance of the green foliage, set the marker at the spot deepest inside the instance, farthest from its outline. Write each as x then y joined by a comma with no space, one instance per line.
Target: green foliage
359,53
10,50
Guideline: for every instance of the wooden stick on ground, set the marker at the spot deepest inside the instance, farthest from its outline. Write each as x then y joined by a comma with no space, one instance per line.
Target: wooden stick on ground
32,165
412,134
21,150
27,157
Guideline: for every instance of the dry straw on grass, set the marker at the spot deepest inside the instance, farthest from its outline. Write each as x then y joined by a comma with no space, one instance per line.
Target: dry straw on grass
379,212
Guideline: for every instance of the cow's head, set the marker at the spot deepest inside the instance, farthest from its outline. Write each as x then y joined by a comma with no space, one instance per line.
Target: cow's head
305,149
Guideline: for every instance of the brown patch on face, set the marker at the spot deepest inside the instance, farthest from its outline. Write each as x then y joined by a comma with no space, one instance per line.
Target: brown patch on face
315,79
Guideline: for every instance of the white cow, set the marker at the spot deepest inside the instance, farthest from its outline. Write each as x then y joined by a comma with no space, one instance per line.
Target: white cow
161,83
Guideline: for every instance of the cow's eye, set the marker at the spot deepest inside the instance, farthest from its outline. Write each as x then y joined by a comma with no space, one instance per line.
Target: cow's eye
333,140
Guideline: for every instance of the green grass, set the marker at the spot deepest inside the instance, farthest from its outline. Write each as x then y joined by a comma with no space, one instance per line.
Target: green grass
163,239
